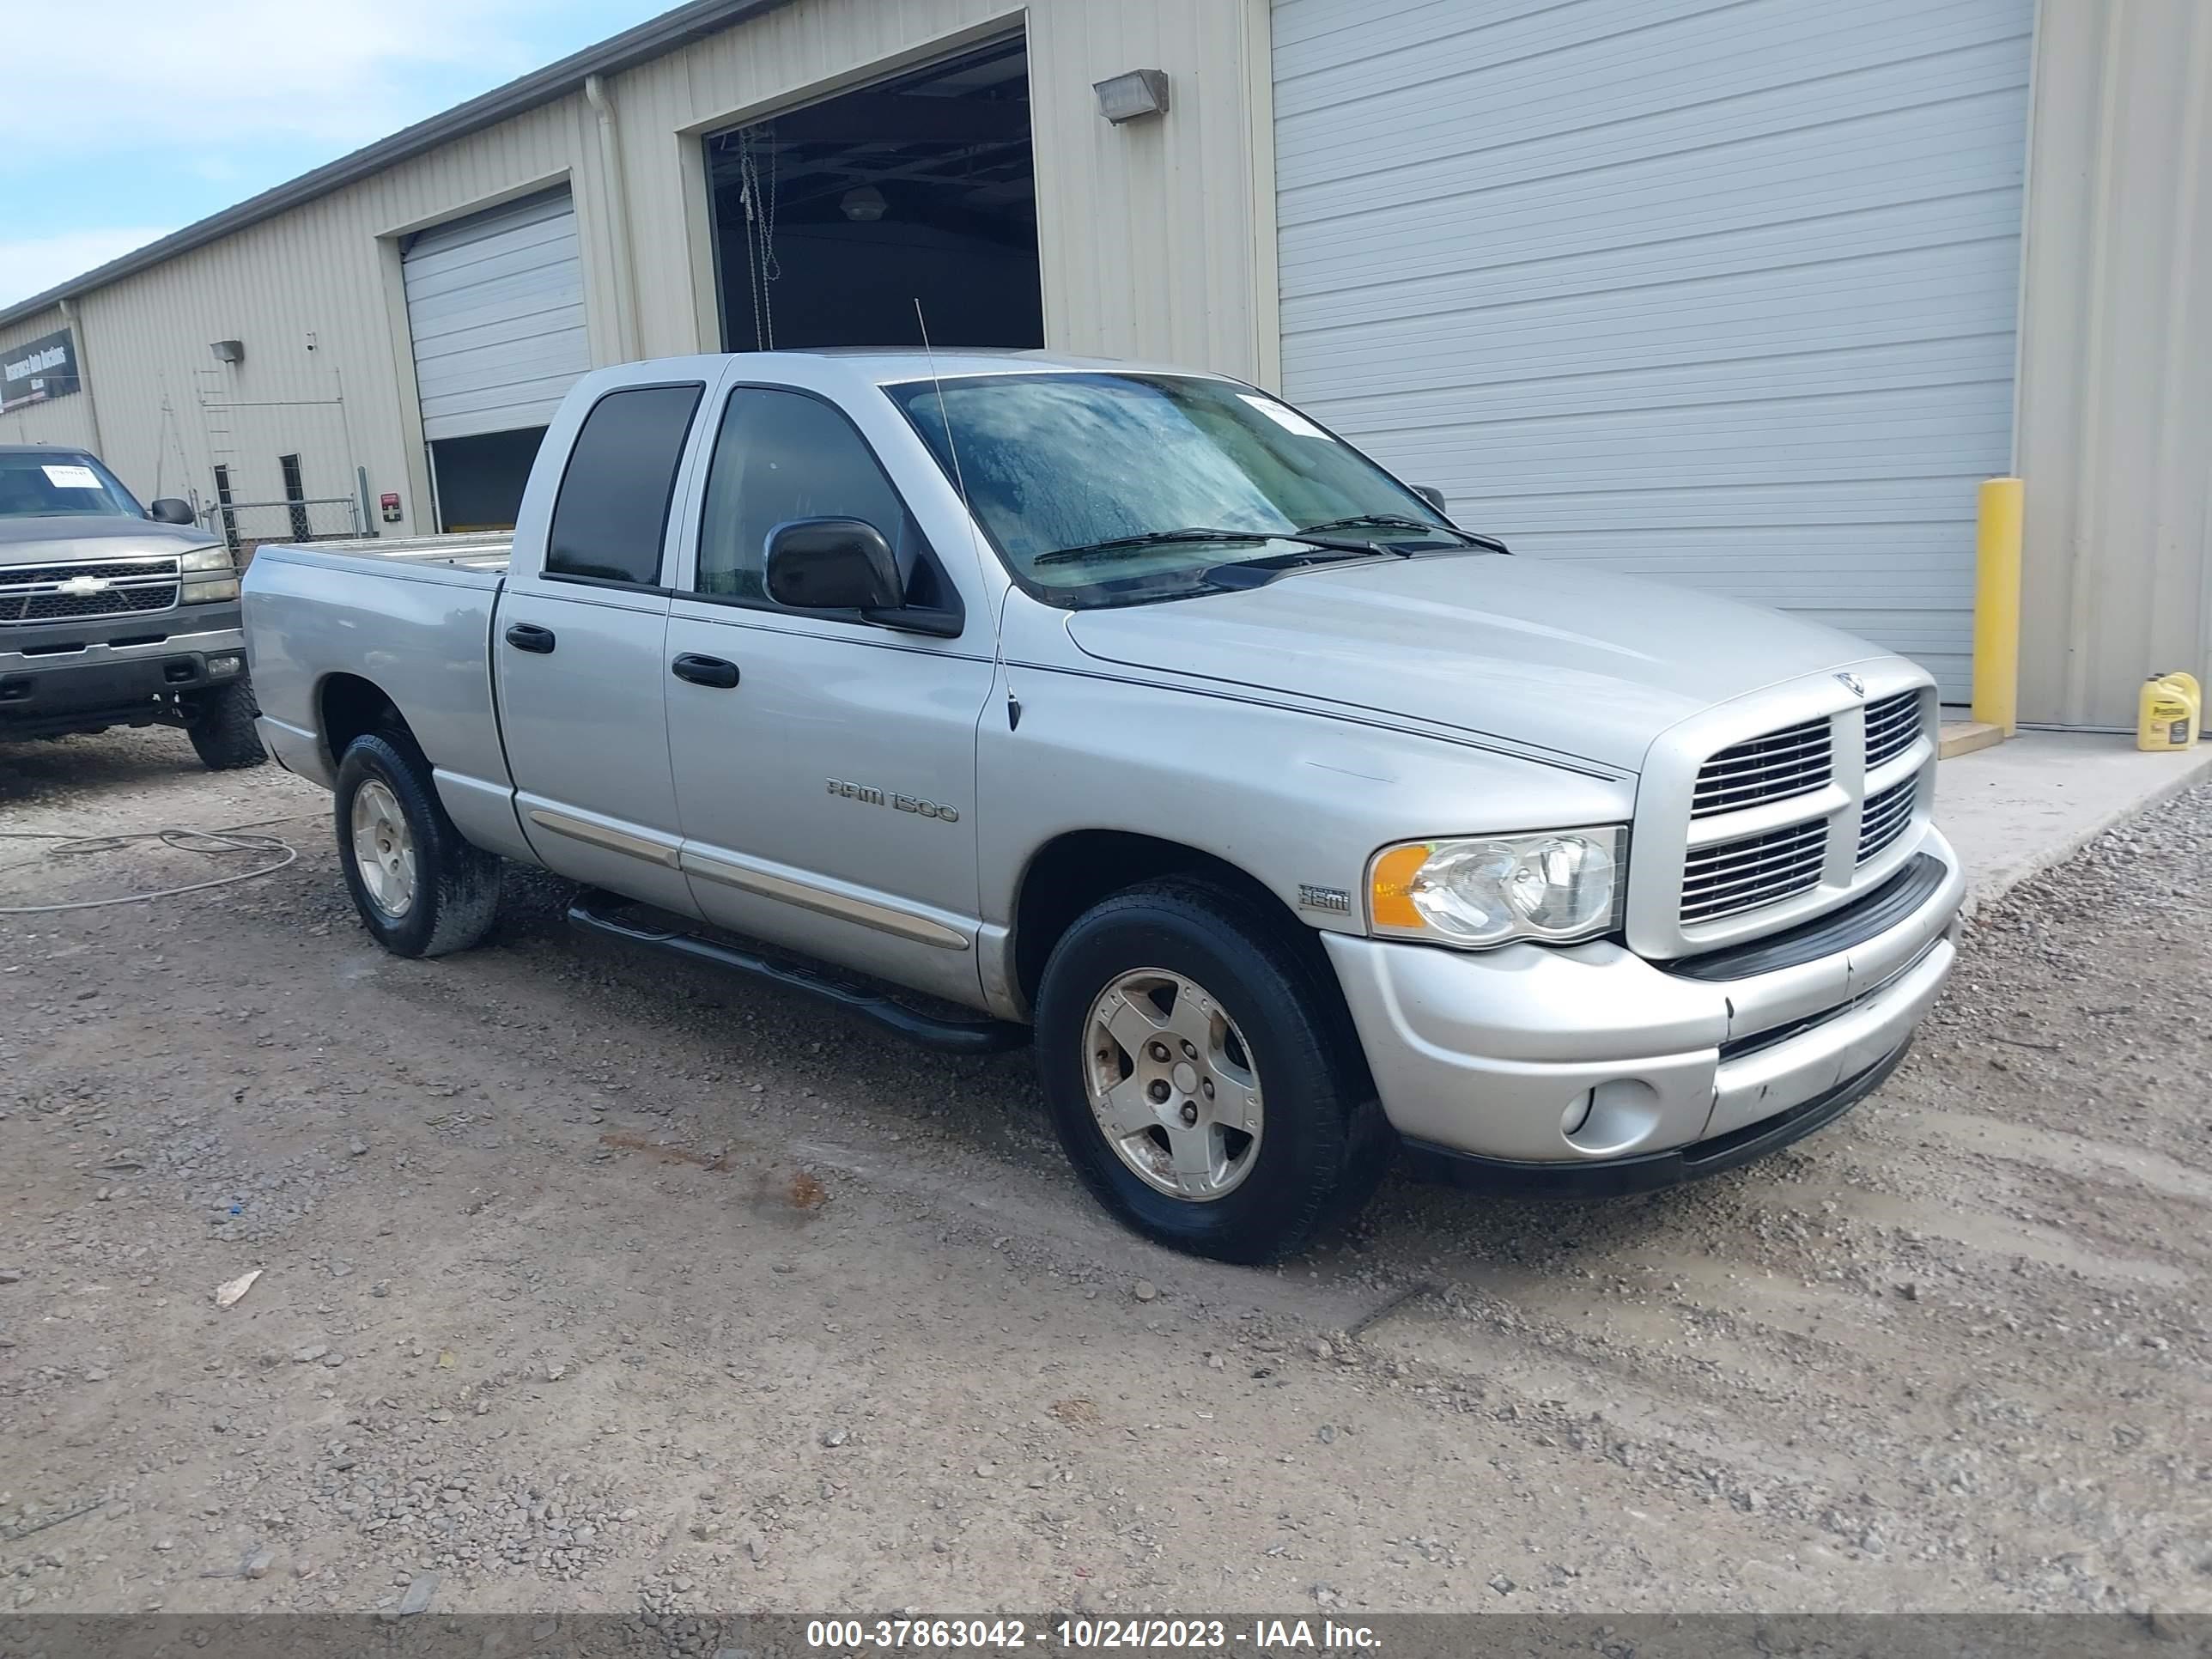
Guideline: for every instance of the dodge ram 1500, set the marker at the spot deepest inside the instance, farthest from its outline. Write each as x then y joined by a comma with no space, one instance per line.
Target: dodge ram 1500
1129,712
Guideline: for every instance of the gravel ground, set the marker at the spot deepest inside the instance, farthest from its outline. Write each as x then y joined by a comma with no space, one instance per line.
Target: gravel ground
589,1284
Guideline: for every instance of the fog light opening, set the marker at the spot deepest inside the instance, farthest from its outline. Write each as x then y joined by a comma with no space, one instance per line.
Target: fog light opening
1577,1113
1622,1114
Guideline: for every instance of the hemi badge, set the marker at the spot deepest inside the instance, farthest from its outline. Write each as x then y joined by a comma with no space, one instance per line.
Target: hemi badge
1333,899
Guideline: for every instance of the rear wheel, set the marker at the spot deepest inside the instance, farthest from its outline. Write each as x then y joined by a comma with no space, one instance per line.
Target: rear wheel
220,723
420,888
1196,1067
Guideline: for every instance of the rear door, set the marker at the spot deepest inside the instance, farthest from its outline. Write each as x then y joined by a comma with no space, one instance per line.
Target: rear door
579,648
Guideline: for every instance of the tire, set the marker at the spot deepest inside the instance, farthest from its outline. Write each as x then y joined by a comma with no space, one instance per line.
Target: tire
432,892
220,723
1276,1017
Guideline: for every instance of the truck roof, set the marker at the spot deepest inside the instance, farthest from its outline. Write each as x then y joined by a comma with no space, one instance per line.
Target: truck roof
889,365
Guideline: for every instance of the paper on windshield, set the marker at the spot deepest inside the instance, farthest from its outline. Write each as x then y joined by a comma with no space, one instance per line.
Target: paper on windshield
71,478
1283,415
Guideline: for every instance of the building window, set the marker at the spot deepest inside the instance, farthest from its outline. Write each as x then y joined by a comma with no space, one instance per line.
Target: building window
223,499
295,494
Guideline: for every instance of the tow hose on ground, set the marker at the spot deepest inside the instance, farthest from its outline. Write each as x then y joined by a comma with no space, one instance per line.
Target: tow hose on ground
237,838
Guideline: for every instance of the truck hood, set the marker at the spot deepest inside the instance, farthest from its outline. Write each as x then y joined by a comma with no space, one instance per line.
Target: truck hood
48,541
1561,656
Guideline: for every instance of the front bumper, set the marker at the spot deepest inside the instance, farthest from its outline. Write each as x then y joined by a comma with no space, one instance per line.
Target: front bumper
1552,1065
117,672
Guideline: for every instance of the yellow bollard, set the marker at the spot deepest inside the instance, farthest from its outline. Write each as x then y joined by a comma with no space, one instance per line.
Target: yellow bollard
1996,604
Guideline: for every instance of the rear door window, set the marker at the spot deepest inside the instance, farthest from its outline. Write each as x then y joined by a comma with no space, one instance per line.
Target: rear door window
611,515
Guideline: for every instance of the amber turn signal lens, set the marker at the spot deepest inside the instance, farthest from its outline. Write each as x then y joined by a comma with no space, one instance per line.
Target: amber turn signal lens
1390,892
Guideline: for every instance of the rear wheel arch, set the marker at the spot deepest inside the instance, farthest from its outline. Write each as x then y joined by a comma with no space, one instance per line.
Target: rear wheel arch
348,706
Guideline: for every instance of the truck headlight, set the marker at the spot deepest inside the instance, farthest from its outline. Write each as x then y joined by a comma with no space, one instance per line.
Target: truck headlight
1490,890
209,576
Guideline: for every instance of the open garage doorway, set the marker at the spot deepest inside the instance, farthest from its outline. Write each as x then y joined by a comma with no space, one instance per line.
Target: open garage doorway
831,220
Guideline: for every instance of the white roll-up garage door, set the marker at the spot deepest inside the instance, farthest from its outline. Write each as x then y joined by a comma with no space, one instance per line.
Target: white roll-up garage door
495,307
1719,293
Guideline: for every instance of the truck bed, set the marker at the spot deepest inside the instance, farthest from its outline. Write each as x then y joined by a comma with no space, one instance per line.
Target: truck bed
411,616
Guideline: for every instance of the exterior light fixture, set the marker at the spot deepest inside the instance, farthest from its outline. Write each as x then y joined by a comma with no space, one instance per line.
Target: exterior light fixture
863,204
1128,97
228,351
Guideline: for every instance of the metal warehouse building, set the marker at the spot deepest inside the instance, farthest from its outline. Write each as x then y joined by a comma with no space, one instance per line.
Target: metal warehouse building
1747,293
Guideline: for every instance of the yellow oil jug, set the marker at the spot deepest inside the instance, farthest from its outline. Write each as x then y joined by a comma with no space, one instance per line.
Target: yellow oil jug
2168,711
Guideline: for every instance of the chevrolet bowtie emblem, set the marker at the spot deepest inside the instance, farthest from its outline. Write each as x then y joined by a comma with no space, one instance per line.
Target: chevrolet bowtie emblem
78,587
1853,685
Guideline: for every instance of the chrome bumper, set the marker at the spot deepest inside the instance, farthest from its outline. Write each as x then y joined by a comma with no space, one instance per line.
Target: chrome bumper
1591,1055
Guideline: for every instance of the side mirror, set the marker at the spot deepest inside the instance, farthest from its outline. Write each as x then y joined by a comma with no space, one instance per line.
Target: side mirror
167,509
832,564
1432,496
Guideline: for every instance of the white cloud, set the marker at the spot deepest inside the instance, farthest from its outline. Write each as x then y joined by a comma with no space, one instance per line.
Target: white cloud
335,73
33,264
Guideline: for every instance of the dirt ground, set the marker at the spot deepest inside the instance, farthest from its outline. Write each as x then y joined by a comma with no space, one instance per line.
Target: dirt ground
586,1283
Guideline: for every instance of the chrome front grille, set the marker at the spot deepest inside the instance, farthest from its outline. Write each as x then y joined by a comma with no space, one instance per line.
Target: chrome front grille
1892,724
1886,815
1796,760
1731,877
71,592
1778,825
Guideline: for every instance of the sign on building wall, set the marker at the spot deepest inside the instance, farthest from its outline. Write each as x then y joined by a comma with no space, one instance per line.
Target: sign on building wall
37,370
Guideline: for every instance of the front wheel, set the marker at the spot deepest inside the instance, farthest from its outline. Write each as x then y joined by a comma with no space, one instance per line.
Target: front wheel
220,723
420,888
1197,1069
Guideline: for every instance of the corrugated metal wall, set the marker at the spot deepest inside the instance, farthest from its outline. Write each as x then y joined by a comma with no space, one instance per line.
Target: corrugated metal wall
1158,242
2116,361
63,421
314,297
1720,291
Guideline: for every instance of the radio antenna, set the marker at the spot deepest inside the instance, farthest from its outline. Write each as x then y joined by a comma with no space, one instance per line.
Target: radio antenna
959,478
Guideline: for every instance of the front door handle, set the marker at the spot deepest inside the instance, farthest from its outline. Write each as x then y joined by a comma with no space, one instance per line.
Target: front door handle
529,637
705,670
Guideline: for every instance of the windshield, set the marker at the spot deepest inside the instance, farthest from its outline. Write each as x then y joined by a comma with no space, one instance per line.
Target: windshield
1085,480
61,484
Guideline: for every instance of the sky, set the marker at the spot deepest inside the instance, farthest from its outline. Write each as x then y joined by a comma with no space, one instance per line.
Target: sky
123,121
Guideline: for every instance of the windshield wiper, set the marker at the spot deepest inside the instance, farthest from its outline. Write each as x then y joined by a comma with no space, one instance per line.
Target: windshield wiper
1119,545
1405,521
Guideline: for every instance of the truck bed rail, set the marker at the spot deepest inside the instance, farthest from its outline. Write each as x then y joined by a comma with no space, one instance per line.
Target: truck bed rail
483,549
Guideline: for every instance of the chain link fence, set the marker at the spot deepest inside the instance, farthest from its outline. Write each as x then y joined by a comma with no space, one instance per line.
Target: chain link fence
247,525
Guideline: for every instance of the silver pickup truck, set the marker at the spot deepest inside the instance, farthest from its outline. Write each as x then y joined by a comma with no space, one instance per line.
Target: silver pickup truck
1128,711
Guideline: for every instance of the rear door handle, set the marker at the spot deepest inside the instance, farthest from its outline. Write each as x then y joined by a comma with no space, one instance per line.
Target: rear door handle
705,670
529,637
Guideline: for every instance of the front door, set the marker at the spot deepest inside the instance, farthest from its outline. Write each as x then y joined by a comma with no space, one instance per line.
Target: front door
826,784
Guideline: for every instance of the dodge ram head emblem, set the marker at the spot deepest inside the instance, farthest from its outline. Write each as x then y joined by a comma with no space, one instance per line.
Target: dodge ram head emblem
1853,685
79,587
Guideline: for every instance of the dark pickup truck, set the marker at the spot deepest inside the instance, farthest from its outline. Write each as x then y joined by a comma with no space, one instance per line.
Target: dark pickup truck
112,614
